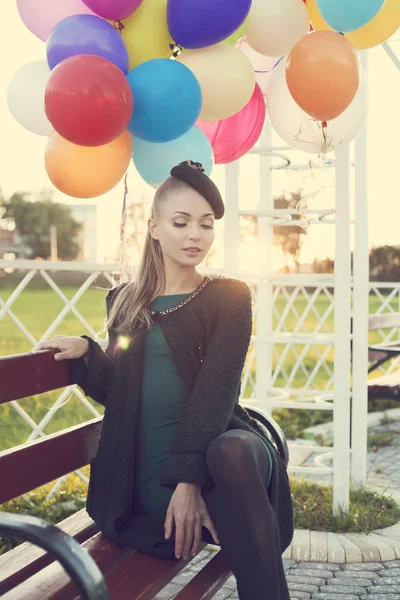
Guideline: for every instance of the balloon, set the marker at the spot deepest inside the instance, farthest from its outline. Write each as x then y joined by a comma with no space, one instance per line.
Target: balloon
302,132
202,23
155,161
113,10
322,74
84,172
236,35
263,66
25,97
88,100
275,26
167,100
40,16
343,15
86,34
232,138
377,31
226,79
146,33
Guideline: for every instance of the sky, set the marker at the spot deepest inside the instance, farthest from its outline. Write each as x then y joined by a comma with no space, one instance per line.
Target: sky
22,153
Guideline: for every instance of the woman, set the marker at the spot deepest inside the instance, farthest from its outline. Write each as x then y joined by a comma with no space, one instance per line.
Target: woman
179,460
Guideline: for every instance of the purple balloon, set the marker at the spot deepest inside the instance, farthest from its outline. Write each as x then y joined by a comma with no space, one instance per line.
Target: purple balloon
86,34
202,23
113,10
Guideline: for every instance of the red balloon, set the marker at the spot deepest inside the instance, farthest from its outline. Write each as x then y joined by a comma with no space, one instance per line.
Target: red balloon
232,138
88,100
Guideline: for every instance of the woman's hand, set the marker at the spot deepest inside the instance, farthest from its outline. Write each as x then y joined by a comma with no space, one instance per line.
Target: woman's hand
188,511
70,347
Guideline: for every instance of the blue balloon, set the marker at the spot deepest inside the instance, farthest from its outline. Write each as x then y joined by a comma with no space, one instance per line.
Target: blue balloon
167,100
201,23
348,15
155,161
86,34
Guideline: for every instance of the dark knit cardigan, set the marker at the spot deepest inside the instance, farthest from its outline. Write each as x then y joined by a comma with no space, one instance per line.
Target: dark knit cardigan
209,339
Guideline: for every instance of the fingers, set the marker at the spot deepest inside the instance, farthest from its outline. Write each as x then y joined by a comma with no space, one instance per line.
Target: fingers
197,537
169,522
179,538
189,531
45,346
211,528
62,355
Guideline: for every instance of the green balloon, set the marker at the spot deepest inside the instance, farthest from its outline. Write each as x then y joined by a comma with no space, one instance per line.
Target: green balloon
232,39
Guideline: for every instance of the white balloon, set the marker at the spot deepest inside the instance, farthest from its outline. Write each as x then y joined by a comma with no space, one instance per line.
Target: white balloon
263,65
303,132
274,26
25,97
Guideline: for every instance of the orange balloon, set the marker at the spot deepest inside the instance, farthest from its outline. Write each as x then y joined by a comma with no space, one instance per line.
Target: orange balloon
87,172
323,74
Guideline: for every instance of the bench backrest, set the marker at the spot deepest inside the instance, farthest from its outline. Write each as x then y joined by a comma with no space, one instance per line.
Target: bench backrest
31,465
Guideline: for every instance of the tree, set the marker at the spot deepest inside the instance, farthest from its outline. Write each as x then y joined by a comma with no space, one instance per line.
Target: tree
290,239
384,263
33,220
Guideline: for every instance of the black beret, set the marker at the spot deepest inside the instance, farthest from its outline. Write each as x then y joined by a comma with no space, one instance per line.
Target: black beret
193,174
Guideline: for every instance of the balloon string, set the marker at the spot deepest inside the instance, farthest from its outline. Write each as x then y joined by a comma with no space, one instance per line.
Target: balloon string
269,70
122,254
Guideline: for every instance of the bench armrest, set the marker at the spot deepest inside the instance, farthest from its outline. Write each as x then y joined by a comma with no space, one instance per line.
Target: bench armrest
75,560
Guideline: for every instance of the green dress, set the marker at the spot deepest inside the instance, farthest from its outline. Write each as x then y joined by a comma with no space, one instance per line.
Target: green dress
164,399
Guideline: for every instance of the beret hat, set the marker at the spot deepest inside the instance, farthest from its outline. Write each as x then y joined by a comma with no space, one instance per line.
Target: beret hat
193,174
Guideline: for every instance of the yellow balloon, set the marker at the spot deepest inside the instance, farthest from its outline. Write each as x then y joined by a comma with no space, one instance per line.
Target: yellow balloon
146,33
226,78
378,30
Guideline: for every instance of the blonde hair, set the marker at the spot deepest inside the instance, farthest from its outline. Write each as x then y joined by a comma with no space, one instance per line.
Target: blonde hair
130,307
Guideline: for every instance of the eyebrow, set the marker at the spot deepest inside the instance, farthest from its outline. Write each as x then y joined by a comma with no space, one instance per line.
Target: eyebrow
189,215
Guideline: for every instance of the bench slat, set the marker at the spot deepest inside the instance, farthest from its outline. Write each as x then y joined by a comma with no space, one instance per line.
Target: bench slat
25,560
29,466
53,583
144,576
24,375
208,581
129,575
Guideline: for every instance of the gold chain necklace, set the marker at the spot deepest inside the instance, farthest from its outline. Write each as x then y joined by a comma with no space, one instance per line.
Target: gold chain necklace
155,313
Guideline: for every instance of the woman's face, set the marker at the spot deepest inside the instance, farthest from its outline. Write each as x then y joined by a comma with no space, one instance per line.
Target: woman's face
184,227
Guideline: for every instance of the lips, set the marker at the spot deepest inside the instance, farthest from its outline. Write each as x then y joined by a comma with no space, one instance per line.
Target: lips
192,249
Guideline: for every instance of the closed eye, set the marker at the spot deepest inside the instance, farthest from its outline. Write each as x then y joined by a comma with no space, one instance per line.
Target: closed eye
184,225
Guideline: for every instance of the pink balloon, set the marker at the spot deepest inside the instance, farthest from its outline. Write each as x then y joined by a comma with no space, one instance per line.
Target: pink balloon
232,138
113,10
40,16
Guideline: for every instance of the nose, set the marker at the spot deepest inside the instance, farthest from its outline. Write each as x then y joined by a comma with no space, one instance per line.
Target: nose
194,235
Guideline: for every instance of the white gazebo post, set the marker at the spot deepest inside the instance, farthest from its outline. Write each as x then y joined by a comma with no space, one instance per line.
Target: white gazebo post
264,283
232,220
342,337
359,426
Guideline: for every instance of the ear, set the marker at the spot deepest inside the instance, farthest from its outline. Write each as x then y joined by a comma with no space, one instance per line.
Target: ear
152,228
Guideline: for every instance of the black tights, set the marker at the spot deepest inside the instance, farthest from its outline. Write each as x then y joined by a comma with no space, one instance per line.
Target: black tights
243,516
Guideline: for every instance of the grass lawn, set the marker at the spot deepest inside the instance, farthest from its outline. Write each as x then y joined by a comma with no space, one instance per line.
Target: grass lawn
37,308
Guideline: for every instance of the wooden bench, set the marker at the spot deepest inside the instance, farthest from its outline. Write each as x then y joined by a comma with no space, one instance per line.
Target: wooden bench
388,384
95,568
